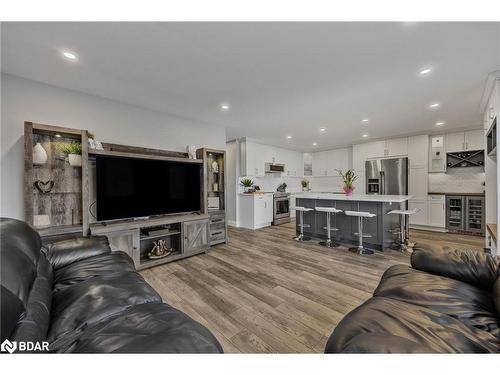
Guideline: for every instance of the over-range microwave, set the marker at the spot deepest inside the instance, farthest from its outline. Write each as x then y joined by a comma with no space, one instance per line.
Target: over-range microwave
275,168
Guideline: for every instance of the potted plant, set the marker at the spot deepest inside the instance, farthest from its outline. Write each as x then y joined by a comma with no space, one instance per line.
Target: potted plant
348,177
74,152
247,184
305,185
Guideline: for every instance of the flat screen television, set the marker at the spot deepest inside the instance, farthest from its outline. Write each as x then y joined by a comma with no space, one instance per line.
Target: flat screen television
132,187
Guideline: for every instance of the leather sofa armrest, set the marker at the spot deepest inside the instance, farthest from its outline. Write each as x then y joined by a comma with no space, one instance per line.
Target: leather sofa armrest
472,267
62,253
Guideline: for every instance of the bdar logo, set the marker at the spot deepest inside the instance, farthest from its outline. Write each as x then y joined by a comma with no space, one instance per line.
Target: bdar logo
8,346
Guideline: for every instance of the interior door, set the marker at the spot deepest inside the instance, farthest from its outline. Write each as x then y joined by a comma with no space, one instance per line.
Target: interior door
195,235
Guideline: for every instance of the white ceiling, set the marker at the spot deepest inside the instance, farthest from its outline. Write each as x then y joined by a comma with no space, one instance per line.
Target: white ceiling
279,78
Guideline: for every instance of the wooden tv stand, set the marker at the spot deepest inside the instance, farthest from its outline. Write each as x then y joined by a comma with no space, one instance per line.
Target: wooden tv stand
186,234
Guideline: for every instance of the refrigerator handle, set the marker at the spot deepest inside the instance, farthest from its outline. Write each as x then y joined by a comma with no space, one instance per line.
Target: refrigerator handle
382,182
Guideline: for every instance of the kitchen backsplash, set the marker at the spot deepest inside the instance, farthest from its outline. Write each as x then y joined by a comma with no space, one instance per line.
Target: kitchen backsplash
459,180
326,184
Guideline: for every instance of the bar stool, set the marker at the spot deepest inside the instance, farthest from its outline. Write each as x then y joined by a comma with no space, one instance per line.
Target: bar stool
329,228
301,224
404,228
360,215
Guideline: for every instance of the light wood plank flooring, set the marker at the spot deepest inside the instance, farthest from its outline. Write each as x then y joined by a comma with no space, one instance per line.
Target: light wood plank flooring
265,293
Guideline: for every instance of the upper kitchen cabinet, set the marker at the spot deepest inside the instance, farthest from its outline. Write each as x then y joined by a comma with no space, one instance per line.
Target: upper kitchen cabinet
396,147
252,159
418,153
327,163
254,156
320,164
437,157
338,159
462,141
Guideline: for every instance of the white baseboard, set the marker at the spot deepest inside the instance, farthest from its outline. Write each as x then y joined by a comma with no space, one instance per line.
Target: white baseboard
233,223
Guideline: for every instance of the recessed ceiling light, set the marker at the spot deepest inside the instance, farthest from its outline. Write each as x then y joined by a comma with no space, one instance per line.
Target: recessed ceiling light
440,123
365,135
365,120
58,135
289,137
434,105
322,130
224,107
315,144
425,71
69,55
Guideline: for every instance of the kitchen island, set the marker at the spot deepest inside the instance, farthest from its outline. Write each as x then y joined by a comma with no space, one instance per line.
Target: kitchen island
379,227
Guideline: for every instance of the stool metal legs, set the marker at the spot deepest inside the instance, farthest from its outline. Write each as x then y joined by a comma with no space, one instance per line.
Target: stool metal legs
328,242
301,236
360,249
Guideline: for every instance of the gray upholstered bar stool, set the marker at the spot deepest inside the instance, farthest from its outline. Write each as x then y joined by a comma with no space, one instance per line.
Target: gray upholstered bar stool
301,224
329,211
404,228
360,215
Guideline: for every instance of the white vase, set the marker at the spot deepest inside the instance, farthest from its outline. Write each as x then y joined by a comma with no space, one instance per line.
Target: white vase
75,160
39,154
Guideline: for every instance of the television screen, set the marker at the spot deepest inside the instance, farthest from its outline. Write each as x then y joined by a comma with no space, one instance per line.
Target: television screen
130,187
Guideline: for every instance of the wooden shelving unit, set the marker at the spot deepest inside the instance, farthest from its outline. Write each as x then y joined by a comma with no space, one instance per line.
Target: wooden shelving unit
214,195
64,204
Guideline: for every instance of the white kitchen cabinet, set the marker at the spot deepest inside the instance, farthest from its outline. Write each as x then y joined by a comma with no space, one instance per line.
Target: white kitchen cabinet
337,159
320,164
421,216
374,149
474,139
307,162
418,151
437,151
455,142
396,147
462,141
418,184
252,159
437,211
256,210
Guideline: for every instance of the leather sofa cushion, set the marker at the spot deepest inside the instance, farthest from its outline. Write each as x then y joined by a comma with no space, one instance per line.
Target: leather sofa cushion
147,328
34,323
418,327
19,254
470,266
370,342
65,252
95,299
471,305
97,266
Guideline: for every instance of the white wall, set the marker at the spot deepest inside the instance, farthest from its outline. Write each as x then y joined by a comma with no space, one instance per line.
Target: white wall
110,121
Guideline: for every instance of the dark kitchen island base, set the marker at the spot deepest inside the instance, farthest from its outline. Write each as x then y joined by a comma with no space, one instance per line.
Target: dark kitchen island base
380,227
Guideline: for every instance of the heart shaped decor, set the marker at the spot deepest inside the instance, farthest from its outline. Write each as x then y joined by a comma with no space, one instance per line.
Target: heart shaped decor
44,187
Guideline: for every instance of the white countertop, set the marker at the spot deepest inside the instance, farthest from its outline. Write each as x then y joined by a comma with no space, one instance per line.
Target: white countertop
355,197
255,194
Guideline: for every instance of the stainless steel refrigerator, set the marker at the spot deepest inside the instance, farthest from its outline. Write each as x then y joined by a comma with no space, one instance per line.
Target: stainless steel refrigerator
387,176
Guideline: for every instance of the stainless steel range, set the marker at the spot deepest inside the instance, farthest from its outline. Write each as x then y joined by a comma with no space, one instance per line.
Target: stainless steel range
281,213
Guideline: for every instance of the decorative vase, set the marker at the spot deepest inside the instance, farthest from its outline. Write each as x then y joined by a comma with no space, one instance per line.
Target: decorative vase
247,189
348,190
39,154
75,160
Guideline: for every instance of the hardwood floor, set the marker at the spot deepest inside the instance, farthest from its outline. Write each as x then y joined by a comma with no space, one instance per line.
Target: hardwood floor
265,293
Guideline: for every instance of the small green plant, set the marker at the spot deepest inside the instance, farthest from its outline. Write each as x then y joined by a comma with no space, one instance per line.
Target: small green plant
348,177
246,182
71,148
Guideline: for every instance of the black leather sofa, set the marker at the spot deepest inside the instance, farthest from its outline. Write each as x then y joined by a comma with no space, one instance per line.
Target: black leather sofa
447,302
81,297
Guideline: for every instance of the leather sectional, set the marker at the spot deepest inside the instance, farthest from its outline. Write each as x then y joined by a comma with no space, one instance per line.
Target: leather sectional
447,302
81,297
